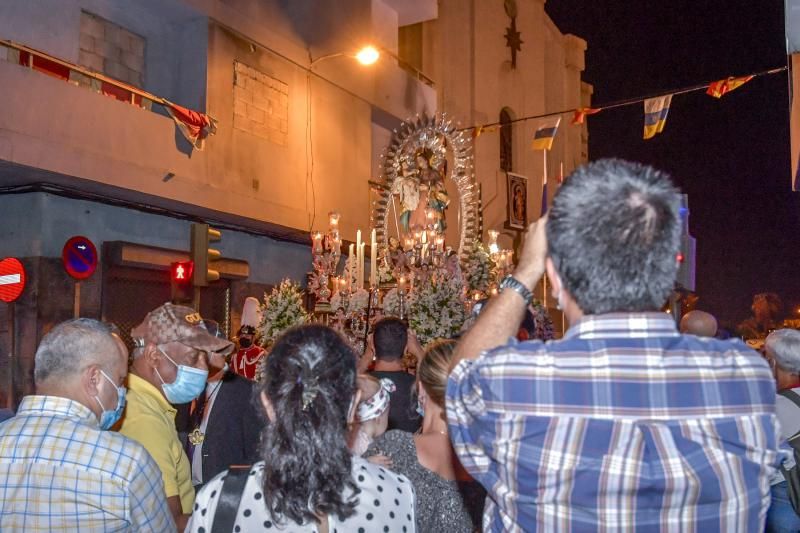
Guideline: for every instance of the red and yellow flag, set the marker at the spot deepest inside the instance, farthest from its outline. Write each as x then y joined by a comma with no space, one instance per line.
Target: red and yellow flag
478,130
580,114
722,87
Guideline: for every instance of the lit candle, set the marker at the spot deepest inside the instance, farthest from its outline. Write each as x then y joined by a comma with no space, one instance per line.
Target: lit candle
402,284
493,248
318,242
440,243
361,266
351,265
373,260
358,258
409,243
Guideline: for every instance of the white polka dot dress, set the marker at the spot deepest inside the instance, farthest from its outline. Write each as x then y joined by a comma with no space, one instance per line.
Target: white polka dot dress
385,504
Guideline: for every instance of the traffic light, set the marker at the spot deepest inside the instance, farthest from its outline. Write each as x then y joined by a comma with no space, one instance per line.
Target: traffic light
202,255
687,253
180,282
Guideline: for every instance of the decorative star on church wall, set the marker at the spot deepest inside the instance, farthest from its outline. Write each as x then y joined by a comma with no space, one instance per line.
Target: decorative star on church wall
513,41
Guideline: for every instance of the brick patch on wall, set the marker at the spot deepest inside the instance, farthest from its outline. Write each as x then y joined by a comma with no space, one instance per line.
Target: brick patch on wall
111,49
260,104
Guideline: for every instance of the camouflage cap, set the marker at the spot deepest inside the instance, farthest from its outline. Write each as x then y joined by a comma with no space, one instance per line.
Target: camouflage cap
178,323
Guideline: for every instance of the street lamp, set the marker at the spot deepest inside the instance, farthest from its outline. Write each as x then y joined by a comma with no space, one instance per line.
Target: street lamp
366,56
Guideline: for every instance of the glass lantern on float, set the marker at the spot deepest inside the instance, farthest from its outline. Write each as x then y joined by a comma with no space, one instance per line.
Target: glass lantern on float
326,250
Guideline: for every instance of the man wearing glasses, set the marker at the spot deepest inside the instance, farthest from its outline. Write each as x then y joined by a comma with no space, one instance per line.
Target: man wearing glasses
170,366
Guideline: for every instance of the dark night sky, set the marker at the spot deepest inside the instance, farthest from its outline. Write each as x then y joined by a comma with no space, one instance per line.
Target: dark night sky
730,155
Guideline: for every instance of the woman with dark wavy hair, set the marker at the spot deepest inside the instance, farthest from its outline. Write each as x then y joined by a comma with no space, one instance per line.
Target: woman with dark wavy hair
307,480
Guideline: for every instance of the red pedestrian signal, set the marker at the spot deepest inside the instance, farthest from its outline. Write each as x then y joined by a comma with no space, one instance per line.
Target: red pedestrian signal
180,282
182,271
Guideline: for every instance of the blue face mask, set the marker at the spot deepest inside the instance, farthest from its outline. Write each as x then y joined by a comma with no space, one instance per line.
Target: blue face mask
188,384
109,418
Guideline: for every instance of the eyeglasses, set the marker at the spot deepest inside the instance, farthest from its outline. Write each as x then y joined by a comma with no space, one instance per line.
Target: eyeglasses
212,326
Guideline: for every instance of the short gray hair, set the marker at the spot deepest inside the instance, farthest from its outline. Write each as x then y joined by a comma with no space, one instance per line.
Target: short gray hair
784,346
71,346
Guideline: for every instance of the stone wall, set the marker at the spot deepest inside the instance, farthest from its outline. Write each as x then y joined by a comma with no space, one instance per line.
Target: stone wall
260,104
111,49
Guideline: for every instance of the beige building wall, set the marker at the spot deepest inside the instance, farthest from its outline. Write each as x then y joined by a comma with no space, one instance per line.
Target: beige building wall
302,146
465,51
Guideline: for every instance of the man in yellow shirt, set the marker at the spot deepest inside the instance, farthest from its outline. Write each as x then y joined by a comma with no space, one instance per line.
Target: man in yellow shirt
170,366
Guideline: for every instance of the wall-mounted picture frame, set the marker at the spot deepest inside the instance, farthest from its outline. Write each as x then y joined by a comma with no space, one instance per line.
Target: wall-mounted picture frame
517,201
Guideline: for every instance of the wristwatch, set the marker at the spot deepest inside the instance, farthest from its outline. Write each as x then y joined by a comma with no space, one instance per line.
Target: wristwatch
510,282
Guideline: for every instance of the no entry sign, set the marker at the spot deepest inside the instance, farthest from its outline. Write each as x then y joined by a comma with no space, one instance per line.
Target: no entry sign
12,279
79,257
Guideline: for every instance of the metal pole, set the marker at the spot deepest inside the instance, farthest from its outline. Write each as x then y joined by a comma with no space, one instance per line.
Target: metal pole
76,302
12,355
196,301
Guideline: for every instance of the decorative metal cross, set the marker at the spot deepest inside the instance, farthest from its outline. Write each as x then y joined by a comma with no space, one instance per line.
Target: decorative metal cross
513,40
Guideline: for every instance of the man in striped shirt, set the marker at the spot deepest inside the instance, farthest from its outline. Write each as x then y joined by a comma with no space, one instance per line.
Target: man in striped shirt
624,424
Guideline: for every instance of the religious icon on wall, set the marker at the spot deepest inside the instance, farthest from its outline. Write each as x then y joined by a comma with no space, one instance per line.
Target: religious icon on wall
517,201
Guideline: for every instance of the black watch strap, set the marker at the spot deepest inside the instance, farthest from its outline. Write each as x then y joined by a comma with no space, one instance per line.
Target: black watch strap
510,282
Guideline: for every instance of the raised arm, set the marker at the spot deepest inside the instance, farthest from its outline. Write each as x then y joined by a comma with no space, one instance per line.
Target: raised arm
501,317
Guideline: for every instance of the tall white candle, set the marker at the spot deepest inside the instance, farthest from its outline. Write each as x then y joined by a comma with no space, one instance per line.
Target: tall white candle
358,260
373,261
352,265
361,266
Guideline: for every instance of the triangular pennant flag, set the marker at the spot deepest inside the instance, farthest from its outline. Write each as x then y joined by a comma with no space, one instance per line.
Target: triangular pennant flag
545,133
195,126
580,114
655,115
720,88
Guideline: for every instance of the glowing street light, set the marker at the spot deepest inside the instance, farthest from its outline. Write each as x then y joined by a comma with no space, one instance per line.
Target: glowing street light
368,55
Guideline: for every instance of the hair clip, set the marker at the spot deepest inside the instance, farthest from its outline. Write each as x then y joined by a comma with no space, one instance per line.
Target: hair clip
310,391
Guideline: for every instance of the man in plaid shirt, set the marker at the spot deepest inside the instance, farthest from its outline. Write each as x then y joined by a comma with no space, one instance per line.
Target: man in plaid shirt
624,424
59,469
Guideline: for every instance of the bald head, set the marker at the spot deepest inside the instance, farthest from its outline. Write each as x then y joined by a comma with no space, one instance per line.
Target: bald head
699,323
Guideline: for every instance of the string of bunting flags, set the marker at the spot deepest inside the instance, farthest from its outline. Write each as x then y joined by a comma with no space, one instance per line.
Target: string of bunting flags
656,109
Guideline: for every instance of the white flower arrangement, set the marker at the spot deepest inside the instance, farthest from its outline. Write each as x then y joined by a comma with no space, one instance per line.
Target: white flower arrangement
437,310
479,268
391,303
353,303
282,309
359,300
385,274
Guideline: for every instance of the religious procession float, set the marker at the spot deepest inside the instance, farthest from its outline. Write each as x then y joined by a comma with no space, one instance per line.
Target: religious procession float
426,268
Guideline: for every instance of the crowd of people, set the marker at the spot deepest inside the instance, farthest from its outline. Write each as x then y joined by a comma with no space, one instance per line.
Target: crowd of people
627,423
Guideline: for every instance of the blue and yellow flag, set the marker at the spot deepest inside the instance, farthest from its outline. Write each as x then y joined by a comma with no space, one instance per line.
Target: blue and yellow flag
545,133
655,115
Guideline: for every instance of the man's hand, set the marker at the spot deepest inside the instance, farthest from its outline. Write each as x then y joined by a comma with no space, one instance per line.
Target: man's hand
413,345
530,267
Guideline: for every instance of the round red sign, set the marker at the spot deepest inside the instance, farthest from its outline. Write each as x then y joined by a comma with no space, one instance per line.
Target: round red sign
12,279
79,257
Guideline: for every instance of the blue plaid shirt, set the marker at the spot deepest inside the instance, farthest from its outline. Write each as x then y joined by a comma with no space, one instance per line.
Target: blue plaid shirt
623,425
60,472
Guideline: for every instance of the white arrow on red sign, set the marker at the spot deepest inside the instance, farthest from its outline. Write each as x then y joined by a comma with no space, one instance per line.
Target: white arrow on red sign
12,279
